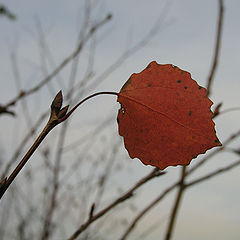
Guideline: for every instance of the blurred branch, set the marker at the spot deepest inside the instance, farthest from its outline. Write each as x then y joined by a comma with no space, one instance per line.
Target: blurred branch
17,78
229,110
147,209
175,209
46,56
5,110
107,171
47,222
22,144
5,12
214,173
154,173
187,173
213,153
152,32
217,47
56,116
72,56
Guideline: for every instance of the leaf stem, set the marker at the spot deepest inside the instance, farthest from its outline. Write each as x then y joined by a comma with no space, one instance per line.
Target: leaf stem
84,100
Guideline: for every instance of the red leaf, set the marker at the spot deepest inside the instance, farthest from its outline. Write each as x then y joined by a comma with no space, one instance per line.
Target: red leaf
165,117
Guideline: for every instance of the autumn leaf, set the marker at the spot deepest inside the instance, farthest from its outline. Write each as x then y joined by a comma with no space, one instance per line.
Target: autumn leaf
165,117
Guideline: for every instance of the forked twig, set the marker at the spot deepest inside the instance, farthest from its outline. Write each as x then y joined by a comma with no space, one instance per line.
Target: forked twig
57,116
93,217
73,55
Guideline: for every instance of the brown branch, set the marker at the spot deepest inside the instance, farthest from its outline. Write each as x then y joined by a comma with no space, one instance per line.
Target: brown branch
72,56
217,47
55,118
176,205
47,222
181,185
213,153
4,110
58,115
4,11
213,174
22,144
152,32
146,209
190,171
156,172
107,171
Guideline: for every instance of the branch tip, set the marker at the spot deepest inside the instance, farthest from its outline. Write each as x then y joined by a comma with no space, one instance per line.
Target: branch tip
63,112
57,102
91,211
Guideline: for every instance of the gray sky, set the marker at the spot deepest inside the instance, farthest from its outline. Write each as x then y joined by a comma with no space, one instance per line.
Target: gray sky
185,38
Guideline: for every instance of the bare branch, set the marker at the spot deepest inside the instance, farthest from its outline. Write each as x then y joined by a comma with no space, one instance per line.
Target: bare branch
213,153
5,12
81,44
52,122
176,205
147,209
154,173
214,173
217,47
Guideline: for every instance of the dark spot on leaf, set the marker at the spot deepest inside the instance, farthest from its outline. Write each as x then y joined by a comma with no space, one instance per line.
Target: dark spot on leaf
190,113
178,81
149,85
185,87
216,141
199,87
163,138
117,120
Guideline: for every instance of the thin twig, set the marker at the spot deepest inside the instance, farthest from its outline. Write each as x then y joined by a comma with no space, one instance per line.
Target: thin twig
176,205
53,121
47,222
169,189
59,68
156,172
58,115
213,174
147,209
217,47
213,153
22,144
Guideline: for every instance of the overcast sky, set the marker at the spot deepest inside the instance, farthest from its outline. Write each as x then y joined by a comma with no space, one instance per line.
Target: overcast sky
185,37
